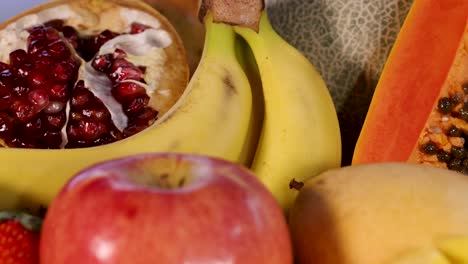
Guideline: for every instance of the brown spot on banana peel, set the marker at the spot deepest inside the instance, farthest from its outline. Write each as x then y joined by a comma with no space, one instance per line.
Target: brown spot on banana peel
245,13
229,86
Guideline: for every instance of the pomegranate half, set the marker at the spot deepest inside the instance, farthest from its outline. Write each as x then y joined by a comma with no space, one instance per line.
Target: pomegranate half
79,80
86,73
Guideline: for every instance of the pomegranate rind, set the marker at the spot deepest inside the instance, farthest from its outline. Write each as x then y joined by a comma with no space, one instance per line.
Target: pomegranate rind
183,14
412,79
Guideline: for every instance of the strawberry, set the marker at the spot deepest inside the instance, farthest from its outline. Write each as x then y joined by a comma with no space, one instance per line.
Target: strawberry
19,238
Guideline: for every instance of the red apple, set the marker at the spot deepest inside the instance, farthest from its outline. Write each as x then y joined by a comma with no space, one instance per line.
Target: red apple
165,208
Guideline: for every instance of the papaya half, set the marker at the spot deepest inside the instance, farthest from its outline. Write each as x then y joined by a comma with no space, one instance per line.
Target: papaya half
419,109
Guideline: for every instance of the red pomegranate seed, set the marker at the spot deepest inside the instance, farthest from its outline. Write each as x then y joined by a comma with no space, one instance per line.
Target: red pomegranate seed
126,91
141,121
32,128
52,34
23,70
72,132
102,63
22,110
6,78
53,139
54,107
39,38
80,95
56,121
59,92
5,98
20,90
148,115
119,54
6,126
71,35
76,116
63,72
138,28
129,72
39,98
18,57
136,105
88,130
120,63
23,142
36,32
59,49
42,53
43,64
103,37
93,130
36,45
36,79
96,114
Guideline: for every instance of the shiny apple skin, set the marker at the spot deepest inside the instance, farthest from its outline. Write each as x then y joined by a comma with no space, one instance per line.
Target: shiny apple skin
102,216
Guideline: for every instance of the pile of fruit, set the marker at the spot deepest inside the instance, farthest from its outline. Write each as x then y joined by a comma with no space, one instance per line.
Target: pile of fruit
138,151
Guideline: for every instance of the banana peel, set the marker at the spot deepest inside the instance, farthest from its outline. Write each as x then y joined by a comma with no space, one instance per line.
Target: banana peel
451,250
422,256
455,248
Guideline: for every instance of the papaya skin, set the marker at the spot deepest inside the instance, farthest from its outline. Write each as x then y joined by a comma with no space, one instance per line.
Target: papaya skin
412,79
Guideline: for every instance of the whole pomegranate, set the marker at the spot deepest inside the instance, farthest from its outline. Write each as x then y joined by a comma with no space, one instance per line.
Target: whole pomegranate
77,74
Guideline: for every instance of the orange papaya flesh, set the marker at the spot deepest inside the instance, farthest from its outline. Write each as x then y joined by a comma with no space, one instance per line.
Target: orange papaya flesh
419,110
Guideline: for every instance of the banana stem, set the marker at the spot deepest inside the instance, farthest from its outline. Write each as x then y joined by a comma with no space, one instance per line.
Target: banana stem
219,39
233,12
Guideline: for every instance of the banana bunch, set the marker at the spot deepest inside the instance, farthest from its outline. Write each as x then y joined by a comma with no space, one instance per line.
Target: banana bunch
253,99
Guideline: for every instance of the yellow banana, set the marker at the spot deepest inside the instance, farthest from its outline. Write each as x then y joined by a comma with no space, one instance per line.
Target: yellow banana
455,248
300,136
211,118
247,61
421,256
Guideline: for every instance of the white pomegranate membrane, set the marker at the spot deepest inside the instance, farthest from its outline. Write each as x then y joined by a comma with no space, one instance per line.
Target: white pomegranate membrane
73,81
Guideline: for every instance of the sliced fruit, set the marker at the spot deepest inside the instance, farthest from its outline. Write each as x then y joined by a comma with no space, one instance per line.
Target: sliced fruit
419,109
86,73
